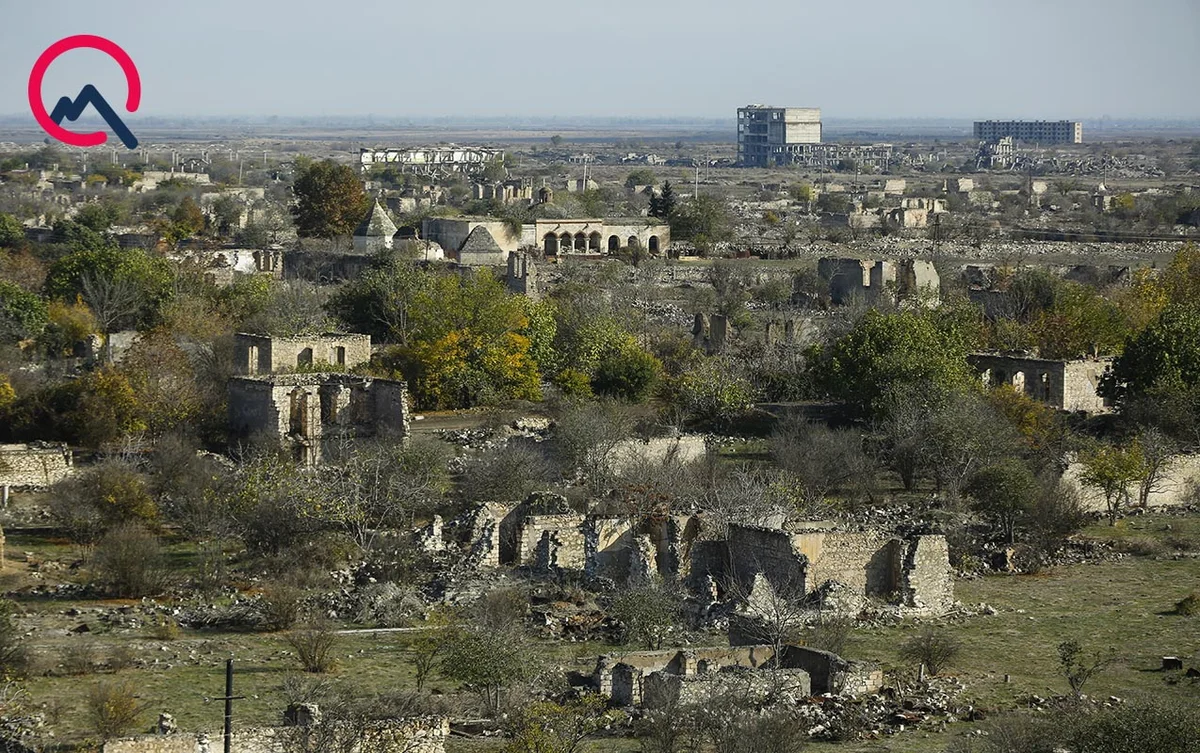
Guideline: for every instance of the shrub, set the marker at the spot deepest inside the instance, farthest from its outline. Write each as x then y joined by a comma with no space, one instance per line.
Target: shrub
830,634
121,657
1188,606
79,658
646,614
129,563
314,644
934,648
573,383
165,629
629,374
281,602
113,708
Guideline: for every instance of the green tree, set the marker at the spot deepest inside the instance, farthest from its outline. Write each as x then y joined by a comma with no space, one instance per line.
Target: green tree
629,374
98,215
1005,492
11,231
187,218
1111,469
379,300
646,613
662,205
487,661
330,201
713,392
1167,353
704,220
22,314
131,285
886,351
549,727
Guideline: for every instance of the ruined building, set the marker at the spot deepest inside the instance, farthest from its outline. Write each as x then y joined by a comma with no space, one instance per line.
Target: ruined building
840,569
1065,385
264,354
663,679
375,232
868,280
523,277
33,466
311,413
769,136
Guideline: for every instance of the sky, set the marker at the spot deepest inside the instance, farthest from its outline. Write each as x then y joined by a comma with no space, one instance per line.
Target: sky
968,59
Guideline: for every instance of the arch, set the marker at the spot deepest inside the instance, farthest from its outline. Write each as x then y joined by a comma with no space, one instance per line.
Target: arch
1018,381
594,241
580,241
614,243
339,356
564,243
550,244
304,358
634,242
654,244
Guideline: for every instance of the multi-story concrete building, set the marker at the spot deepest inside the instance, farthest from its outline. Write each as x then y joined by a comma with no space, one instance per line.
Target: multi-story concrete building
770,135
1040,131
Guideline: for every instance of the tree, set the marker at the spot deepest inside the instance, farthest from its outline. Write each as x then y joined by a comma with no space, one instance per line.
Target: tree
132,284
662,205
187,218
314,644
113,708
556,140
1158,451
487,661
129,562
227,213
1164,355
330,201
114,301
22,314
713,392
1076,668
628,374
379,300
646,613
429,644
1110,469
1004,491
703,220
11,231
823,460
884,352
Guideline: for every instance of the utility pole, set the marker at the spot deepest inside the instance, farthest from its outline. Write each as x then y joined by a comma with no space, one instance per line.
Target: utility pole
229,698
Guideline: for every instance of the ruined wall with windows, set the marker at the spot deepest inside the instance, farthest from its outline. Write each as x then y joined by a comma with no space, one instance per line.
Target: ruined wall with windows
263,354
1064,385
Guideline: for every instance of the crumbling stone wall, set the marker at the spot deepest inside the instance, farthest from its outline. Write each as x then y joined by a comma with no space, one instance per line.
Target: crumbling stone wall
621,677
34,465
768,551
628,454
1065,385
926,582
868,563
425,734
831,673
309,412
665,690
551,542
262,354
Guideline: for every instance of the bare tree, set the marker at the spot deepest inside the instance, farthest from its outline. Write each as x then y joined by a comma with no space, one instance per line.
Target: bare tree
1158,455
113,301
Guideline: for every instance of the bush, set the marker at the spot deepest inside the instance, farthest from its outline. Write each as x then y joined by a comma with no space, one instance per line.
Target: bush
129,563
281,603
830,634
934,648
646,614
628,374
113,708
507,474
79,658
1188,606
314,644
165,629
121,657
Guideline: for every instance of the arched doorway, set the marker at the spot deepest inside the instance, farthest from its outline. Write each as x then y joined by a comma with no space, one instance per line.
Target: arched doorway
654,244
614,243
550,244
580,242
594,242
564,243
633,242
304,358
1018,382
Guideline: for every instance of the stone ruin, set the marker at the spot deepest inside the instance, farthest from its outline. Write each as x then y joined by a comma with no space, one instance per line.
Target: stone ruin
655,679
839,571
263,354
871,280
36,465
310,414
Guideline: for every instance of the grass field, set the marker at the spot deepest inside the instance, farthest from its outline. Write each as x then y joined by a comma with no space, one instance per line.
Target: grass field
1121,606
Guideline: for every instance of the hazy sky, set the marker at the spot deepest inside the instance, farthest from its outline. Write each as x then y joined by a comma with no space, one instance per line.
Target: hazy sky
1073,59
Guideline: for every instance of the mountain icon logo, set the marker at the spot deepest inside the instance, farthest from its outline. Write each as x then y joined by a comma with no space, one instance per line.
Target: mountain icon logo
71,109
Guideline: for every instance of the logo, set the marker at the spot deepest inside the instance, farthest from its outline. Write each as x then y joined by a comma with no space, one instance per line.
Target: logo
71,109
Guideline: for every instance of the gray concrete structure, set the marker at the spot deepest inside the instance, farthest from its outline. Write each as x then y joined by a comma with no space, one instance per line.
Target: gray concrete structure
768,136
1040,131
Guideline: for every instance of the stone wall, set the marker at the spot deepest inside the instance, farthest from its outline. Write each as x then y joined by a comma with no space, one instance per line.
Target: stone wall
404,735
1180,485
631,453
927,583
551,542
868,563
1065,385
768,551
831,673
34,465
261,354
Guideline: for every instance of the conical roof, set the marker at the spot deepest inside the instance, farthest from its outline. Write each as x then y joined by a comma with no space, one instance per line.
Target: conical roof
480,241
376,224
